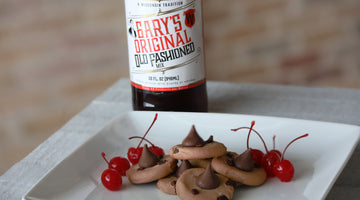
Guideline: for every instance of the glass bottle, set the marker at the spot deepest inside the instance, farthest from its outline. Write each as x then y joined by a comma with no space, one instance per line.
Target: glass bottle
166,55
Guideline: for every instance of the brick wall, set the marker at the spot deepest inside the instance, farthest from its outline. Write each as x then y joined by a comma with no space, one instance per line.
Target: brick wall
56,56
299,42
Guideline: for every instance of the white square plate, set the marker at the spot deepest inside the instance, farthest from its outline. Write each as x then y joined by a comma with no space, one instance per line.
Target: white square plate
318,159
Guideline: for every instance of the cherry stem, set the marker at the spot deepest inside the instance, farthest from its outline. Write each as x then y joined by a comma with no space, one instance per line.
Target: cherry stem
248,137
130,138
103,155
274,141
282,156
266,149
148,130
236,129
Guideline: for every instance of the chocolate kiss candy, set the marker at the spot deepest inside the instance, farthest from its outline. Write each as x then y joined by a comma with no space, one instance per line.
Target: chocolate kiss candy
185,164
244,161
208,179
148,158
193,139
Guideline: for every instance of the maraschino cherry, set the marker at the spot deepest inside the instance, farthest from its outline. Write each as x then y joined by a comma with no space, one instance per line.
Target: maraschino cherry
268,161
118,163
134,154
270,158
284,169
111,178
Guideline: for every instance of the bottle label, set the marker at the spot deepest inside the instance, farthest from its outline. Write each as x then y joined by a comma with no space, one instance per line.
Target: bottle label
165,42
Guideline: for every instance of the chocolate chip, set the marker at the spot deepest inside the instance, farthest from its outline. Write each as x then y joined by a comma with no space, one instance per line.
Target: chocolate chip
161,156
195,191
173,183
222,197
256,165
230,182
176,150
230,162
230,154
210,140
161,162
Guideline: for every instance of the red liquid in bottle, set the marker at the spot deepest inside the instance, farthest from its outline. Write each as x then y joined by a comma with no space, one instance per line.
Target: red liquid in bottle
192,100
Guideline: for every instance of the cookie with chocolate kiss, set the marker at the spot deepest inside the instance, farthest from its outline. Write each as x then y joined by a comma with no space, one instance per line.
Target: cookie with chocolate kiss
194,147
203,184
239,168
151,167
168,184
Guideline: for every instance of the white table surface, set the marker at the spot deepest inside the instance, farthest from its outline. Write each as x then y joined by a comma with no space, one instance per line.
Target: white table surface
323,104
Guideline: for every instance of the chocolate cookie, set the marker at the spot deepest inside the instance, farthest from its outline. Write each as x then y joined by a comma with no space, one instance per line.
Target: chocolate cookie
151,167
203,184
228,166
168,184
194,147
